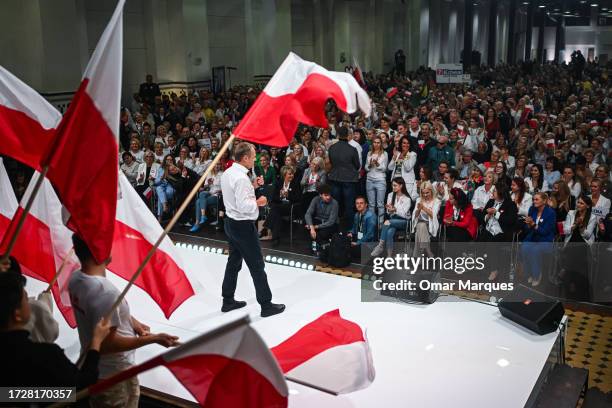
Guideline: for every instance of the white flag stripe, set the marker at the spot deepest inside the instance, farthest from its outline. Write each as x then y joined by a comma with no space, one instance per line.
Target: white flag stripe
104,70
8,203
293,72
243,344
47,208
15,94
341,369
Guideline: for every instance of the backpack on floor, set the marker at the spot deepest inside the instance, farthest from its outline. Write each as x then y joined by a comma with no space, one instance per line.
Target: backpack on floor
339,251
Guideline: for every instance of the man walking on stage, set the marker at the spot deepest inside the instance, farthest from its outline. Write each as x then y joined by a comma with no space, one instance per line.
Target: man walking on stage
241,209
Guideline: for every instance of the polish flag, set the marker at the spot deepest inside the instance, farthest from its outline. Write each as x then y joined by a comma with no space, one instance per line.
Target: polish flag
27,121
358,74
297,93
44,241
83,160
391,92
228,367
330,352
136,231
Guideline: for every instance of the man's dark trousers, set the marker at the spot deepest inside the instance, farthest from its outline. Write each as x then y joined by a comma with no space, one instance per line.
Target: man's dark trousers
344,192
243,243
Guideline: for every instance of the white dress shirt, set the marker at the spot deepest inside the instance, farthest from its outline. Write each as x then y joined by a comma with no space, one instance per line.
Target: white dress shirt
481,197
239,194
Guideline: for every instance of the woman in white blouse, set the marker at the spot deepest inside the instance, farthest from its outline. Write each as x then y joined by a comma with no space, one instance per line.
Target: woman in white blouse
536,183
202,161
402,165
579,230
483,194
425,219
136,150
569,176
398,213
376,180
185,158
521,197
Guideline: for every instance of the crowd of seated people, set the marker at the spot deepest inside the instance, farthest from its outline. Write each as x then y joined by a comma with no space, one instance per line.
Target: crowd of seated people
506,158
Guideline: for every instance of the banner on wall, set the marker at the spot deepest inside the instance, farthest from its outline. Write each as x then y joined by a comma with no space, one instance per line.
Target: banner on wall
451,74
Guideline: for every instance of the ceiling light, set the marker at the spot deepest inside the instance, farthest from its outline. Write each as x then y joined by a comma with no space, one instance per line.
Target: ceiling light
594,4
541,6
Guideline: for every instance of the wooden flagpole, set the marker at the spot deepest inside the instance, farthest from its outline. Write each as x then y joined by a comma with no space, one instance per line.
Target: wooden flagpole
59,271
22,217
171,224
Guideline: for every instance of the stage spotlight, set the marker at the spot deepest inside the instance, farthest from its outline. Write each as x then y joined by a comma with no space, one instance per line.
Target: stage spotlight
219,250
268,258
310,267
292,263
189,246
286,262
207,249
304,265
201,248
298,264
274,259
279,260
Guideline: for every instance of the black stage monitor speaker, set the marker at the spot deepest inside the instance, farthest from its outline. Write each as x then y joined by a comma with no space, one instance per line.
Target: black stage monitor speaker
532,310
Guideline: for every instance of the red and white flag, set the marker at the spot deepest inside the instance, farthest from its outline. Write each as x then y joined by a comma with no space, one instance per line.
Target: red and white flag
329,352
297,93
136,231
44,241
27,121
8,203
358,74
83,160
391,92
228,367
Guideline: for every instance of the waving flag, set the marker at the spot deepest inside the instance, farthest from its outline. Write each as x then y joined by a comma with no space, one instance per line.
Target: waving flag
329,352
44,241
297,93
27,121
228,367
83,160
358,74
136,231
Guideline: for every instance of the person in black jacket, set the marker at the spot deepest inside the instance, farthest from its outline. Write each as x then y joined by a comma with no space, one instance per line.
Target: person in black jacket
287,192
149,90
28,364
500,216
344,174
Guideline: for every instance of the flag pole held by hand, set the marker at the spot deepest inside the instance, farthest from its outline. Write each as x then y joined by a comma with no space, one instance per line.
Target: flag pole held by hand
171,224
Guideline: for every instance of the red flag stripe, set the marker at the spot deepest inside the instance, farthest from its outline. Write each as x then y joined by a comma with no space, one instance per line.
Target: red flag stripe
161,278
329,330
23,138
271,119
219,381
83,168
34,252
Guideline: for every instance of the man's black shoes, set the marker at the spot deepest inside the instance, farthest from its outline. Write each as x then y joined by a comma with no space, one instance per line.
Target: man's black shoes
229,305
271,309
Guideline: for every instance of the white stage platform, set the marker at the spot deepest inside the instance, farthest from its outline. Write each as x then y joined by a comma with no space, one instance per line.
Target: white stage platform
448,354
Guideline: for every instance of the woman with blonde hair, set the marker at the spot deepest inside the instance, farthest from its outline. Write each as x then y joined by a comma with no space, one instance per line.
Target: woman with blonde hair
202,161
425,219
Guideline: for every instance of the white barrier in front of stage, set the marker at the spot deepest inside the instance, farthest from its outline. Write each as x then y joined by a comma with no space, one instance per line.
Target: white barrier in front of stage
448,354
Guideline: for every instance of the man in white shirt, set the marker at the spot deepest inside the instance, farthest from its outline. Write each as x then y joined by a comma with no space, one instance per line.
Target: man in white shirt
92,296
242,210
